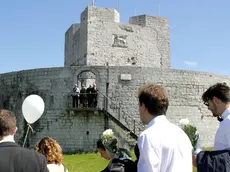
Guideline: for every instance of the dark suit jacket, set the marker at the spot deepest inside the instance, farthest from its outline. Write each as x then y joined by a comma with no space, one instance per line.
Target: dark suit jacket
14,158
213,161
137,154
117,165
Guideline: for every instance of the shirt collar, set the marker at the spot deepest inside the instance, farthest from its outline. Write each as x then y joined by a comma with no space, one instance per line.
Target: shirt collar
7,139
158,118
225,113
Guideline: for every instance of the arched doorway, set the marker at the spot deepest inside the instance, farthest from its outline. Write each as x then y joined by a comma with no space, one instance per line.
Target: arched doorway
86,78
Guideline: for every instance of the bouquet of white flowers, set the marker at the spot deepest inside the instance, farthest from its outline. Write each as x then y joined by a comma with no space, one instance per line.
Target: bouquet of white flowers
111,144
192,133
107,136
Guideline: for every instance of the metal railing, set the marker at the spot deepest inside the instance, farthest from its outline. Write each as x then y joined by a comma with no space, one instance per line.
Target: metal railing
84,100
115,109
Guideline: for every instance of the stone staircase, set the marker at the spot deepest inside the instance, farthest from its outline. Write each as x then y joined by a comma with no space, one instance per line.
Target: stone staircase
121,118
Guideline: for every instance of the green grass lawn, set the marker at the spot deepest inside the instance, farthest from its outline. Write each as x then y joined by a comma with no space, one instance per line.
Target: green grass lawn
90,162
86,163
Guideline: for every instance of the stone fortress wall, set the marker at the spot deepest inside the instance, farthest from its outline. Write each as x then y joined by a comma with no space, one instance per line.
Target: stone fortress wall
79,130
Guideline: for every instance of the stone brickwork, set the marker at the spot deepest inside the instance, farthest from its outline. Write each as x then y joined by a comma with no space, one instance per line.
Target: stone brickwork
184,88
54,85
76,130
72,44
101,39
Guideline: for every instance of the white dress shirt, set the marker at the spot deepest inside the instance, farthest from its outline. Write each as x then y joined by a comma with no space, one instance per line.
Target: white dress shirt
164,147
7,139
222,138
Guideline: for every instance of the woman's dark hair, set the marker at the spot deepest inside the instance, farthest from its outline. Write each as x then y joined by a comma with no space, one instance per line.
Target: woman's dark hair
100,144
114,145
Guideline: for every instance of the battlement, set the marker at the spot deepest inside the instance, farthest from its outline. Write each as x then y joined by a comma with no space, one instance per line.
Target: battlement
92,13
147,20
101,39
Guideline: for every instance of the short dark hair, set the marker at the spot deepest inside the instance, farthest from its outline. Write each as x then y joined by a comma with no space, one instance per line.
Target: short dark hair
100,145
7,123
154,98
219,90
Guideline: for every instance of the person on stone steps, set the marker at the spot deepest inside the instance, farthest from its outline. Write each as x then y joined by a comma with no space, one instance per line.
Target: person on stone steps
75,95
94,92
83,97
89,96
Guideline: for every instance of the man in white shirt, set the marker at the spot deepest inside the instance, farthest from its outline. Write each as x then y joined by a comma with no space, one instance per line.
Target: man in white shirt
163,146
217,99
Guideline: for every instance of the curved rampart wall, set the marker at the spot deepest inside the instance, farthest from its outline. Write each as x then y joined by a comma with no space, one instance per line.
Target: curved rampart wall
54,86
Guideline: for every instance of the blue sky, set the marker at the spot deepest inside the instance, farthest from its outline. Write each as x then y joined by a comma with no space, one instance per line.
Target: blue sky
32,32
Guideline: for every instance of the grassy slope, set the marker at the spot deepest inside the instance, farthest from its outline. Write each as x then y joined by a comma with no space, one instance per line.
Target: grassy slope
89,162
84,163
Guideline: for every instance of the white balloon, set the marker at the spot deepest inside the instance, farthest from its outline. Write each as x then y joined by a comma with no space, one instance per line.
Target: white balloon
32,108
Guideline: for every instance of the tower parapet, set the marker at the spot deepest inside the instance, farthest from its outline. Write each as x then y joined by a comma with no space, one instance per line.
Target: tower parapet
147,20
102,40
93,13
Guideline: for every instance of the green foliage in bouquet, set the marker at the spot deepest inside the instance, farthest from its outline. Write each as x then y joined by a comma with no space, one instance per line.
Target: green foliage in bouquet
191,131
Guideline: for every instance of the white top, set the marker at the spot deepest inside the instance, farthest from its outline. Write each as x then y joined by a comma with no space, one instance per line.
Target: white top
222,138
55,168
77,90
164,147
9,138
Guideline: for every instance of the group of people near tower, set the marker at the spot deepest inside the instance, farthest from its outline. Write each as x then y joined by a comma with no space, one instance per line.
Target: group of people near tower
164,146
85,97
161,147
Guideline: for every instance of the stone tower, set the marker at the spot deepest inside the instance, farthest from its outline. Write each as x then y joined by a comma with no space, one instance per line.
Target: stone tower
100,38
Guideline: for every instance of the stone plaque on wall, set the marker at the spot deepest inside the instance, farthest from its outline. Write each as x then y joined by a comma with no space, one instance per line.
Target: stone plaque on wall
126,77
120,41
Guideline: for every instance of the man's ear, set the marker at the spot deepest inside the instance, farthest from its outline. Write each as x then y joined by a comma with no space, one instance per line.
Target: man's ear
144,107
216,100
15,130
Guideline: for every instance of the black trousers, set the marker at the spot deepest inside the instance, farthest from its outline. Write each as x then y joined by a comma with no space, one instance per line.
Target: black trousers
75,101
213,161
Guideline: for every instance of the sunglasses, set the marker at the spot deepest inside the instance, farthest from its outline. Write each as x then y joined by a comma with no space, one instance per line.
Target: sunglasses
206,104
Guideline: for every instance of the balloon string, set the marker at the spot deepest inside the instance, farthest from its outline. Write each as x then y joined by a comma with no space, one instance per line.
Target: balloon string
30,127
27,132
